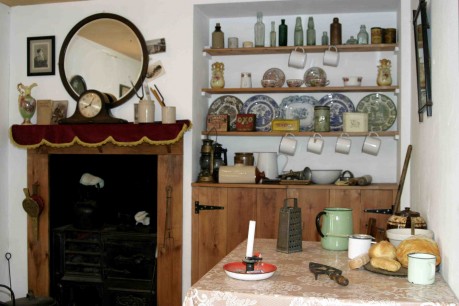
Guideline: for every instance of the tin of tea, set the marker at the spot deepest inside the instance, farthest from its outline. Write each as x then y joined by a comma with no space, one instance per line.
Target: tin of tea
390,36
376,35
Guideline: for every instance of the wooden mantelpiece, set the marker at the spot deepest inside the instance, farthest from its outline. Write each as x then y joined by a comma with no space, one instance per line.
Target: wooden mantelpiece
170,172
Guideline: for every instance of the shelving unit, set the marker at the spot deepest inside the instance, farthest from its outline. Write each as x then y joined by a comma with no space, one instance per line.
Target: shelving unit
304,134
300,89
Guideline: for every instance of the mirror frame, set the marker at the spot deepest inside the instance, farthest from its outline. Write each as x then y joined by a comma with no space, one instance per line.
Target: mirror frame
421,42
82,23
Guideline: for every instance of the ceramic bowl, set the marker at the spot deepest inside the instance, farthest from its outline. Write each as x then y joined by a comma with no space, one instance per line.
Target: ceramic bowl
268,83
352,80
397,235
294,82
325,176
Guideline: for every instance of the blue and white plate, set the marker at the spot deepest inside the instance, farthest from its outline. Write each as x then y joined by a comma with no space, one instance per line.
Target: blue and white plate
339,104
265,109
299,107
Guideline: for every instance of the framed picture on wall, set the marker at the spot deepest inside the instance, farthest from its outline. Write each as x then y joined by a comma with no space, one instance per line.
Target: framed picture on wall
40,55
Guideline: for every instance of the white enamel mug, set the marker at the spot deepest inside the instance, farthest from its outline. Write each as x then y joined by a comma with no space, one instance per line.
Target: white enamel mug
331,56
343,144
288,144
297,59
316,144
421,268
371,144
359,244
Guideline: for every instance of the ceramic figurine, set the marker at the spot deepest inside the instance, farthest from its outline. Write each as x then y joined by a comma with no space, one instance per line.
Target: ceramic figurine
384,75
27,104
217,81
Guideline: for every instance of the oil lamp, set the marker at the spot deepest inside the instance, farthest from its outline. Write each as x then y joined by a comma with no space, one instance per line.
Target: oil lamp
206,162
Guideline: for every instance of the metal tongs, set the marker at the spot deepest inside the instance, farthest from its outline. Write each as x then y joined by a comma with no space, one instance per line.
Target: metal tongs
333,273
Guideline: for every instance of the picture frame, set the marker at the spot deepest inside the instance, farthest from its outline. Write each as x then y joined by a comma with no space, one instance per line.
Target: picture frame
41,57
422,55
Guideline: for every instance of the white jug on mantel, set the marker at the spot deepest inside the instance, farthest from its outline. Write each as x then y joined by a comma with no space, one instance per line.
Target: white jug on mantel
268,162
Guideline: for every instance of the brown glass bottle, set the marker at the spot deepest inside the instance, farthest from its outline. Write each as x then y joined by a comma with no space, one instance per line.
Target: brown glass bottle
218,38
335,32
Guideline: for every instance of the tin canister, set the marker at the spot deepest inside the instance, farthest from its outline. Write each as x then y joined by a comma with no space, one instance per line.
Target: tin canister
390,36
321,118
376,35
244,158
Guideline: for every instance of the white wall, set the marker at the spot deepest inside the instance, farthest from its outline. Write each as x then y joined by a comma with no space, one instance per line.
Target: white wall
4,140
433,191
435,163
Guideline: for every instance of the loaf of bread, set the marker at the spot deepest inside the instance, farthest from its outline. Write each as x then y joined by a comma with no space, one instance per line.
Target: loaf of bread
417,244
359,261
383,249
385,264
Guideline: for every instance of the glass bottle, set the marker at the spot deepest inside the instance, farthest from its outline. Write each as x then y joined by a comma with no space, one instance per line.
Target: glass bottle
259,31
311,33
218,37
299,34
324,38
362,37
272,35
351,41
335,32
283,33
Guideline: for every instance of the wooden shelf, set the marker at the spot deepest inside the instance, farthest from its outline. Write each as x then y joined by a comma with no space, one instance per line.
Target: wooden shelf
377,186
300,134
307,49
300,89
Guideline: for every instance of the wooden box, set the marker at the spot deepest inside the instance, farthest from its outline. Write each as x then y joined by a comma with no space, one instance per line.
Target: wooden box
245,122
219,123
285,125
355,122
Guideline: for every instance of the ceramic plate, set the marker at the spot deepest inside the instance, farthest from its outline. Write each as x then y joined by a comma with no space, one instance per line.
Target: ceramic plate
275,74
299,107
261,271
265,109
381,110
401,272
226,105
339,104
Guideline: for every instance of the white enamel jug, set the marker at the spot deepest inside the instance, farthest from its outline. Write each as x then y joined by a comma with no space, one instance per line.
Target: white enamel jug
267,162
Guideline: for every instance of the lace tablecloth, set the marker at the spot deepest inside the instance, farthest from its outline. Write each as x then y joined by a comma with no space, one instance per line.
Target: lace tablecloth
293,284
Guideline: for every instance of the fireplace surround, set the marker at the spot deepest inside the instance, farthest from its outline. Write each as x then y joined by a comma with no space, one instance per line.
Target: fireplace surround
169,153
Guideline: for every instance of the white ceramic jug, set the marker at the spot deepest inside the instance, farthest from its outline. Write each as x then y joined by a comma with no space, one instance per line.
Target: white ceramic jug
267,162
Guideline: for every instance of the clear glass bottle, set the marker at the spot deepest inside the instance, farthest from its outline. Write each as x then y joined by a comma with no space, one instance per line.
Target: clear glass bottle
363,36
283,29
324,38
259,31
351,41
218,37
335,32
299,34
311,33
272,35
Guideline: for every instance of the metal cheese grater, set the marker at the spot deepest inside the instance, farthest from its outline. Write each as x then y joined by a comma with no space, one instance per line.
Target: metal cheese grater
289,237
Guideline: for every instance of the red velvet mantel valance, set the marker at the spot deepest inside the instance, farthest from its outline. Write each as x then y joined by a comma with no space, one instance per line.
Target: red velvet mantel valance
95,135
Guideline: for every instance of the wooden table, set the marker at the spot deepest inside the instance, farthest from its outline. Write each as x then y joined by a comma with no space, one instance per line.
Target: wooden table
293,283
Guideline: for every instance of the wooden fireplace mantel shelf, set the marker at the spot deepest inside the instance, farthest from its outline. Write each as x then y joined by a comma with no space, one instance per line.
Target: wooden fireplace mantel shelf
98,135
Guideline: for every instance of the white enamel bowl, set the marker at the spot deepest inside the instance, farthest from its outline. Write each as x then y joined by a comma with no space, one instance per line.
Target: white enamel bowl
397,235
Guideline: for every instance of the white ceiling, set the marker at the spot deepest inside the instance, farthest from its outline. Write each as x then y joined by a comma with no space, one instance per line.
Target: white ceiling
31,2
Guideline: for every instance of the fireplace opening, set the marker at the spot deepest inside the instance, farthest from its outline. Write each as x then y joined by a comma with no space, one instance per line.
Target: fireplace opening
100,253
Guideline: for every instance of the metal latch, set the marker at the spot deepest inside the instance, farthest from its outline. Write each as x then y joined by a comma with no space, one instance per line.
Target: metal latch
198,207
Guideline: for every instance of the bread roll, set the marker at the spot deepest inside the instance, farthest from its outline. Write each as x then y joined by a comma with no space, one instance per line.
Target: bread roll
359,261
383,249
385,264
417,244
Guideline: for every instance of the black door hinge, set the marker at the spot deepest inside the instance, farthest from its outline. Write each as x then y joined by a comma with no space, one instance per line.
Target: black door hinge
198,207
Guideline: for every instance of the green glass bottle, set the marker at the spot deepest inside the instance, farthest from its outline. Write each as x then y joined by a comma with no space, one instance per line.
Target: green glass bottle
299,34
283,33
311,33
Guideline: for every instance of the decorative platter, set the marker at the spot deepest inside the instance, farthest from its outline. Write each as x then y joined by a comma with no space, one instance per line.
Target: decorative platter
338,104
401,272
299,107
381,110
275,74
226,105
261,271
265,109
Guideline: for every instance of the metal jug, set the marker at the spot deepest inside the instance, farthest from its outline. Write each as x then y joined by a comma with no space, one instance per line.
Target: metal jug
336,228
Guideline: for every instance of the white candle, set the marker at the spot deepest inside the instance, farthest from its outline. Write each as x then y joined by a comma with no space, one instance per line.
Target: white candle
250,238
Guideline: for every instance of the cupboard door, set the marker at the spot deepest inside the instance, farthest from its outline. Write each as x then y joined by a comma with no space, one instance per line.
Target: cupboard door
311,202
241,209
373,199
269,203
348,198
209,230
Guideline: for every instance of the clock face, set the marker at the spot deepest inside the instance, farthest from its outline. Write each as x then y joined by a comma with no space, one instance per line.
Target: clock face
90,104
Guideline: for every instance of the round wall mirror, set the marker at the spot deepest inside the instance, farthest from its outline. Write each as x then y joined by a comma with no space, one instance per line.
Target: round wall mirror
105,52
